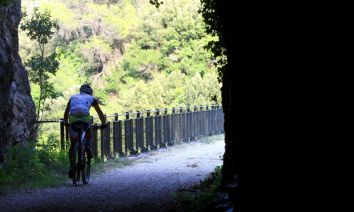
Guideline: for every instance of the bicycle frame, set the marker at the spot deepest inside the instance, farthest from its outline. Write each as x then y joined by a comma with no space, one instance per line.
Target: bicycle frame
82,166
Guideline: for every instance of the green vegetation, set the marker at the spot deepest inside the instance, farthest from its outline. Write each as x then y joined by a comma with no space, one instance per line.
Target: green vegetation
43,166
135,56
43,63
198,197
5,2
31,167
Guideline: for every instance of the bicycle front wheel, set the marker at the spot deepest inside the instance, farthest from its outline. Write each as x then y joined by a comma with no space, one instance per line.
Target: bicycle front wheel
86,172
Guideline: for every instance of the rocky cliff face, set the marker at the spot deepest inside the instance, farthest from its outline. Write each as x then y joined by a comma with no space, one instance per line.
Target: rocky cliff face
17,110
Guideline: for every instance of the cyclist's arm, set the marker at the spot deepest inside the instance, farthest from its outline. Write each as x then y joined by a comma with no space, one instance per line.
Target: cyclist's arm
66,113
99,111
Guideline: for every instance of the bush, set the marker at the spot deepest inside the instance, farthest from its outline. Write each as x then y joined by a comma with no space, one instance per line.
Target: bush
21,164
56,161
30,166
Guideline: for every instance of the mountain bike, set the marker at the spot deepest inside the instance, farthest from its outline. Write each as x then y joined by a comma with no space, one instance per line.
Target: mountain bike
81,157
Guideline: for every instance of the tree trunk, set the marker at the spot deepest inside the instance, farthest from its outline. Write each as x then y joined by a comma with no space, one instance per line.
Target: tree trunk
17,110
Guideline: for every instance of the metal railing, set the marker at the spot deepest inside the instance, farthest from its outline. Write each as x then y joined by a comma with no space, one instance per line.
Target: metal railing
135,132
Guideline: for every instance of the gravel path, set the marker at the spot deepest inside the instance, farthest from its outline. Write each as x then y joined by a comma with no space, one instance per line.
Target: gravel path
146,185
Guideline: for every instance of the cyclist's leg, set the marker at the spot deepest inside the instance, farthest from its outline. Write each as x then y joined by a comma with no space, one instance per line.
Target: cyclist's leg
88,144
74,137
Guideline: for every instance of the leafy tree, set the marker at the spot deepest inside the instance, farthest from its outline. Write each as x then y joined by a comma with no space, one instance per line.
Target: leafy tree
41,27
131,52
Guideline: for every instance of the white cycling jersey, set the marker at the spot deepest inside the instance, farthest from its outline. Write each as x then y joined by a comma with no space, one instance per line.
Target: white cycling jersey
80,104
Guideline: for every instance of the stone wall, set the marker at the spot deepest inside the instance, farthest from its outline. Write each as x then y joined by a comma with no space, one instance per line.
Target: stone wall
17,110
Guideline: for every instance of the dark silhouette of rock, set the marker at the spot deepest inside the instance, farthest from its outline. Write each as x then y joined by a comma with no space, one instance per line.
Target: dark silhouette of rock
17,110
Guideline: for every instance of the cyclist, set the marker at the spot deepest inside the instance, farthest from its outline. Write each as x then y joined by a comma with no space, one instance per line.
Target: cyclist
78,112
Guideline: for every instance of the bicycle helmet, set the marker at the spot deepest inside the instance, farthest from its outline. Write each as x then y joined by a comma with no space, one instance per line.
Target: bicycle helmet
85,88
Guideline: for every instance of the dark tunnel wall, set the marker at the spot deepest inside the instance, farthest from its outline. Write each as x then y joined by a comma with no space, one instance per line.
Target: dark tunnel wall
287,90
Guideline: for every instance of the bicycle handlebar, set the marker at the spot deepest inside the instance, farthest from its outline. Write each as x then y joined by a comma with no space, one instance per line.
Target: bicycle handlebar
95,126
99,126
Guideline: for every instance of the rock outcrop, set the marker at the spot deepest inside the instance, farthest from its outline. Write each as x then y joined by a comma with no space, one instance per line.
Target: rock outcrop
17,110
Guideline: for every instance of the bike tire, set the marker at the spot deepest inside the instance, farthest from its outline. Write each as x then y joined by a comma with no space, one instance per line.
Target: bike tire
88,169
81,164
76,174
82,168
83,173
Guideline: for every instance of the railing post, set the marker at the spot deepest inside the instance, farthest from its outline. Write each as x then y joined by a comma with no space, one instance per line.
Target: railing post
128,131
166,128
149,130
94,142
157,128
217,119
67,137
174,126
102,144
117,136
62,146
178,125
188,123
182,124
216,127
108,140
126,135
214,120
139,133
194,123
207,120
199,121
222,119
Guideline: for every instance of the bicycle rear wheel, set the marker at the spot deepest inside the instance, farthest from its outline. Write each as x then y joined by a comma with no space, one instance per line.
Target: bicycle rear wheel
76,174
80,167
82,161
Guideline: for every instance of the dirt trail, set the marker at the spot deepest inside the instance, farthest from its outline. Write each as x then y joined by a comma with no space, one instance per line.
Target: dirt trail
146,185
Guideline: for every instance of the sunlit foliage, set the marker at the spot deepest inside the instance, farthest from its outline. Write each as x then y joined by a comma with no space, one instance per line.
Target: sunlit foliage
135,56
